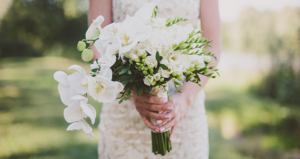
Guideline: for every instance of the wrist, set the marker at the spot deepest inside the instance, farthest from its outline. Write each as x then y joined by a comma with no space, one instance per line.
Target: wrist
186,98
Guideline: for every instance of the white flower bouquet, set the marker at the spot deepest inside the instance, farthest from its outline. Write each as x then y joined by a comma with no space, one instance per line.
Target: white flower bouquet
142,53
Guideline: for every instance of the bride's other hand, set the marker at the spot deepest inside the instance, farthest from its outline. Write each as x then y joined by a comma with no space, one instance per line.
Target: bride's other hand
180,104
148,106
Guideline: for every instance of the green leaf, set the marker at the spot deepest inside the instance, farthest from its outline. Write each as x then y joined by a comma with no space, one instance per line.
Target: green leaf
164,67
120,101
147,90
158,57
94,70
128,95
129,72
125,82
123,70
140,92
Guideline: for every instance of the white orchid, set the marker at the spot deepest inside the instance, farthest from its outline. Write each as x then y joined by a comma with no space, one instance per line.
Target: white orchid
131,31
145,12
95,28
103,89
82,125
79,109
70,85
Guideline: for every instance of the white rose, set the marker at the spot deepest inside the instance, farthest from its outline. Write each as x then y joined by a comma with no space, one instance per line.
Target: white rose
151,60
166,73
175,58
148,80
156,76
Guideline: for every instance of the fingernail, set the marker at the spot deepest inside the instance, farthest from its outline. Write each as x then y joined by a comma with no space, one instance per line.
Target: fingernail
156,130
165,100
160,112
167,116
162,129
171,139
170,108
159,121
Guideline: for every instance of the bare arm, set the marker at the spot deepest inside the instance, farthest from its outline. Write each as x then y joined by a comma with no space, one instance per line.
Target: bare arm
211,27
100,7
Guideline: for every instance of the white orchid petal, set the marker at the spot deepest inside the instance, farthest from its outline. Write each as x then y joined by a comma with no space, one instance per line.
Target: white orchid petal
88,111
90,135
61,77
75,81
86,127
107,97
73,113
107,73
100,47
118,87
145,12
78,68
95,28
74,126
65,93
80,97
93,109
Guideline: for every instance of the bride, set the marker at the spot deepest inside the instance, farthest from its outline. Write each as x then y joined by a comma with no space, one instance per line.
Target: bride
124,128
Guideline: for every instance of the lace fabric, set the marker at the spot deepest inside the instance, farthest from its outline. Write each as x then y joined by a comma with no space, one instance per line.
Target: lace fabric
123,133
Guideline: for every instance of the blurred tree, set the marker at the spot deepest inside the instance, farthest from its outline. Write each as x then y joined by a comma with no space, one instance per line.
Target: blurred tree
275,33
37,28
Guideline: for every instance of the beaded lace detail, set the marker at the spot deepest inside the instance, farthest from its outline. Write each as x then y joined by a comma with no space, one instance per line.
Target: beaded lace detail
123,133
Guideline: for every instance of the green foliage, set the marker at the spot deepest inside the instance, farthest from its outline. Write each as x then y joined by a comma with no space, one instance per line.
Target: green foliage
275,33
37,28
172,21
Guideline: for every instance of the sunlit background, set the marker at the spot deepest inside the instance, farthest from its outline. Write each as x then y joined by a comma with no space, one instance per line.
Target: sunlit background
253,108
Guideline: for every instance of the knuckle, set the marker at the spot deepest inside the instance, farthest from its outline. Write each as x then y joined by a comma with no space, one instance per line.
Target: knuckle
151,107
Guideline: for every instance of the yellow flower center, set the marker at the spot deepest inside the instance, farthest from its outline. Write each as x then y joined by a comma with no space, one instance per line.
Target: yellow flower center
100,87
126,38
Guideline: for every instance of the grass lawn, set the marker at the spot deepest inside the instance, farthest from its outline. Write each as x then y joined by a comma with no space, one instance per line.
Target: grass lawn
32,123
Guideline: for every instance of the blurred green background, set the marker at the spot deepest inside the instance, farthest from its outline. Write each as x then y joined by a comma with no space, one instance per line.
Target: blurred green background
253,108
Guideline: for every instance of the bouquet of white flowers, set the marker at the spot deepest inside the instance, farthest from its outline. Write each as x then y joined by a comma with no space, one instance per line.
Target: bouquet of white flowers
142,53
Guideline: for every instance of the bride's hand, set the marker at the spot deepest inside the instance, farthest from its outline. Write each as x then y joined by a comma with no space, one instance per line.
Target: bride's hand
176,115
148,106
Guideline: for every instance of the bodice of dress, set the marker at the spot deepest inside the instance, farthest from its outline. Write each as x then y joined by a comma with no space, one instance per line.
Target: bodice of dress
166,8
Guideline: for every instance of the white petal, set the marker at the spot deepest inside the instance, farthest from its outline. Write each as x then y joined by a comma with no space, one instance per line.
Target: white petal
99,46
88,111
78,68
86,127
118,87
108,96
74,126
61,77
75,81
73,113
65,93
80,97
90,135
107,73
145,12
95,28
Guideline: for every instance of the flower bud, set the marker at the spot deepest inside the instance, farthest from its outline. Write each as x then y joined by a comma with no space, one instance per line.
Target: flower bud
142,67
173,79
162,79
149,76
87,55
174,73
151,71
188,72
150,66
144,56
192,69
176,86
198,67
138,64
206,71
179,78
180,84
81,46
145,72
153,83
143,60
137,60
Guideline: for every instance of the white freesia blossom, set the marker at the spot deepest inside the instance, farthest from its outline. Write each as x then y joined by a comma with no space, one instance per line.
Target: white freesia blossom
148,80
151,61
82,125
131,31
103,89
95,28
175,58
206,58
70,85
166,73
156,77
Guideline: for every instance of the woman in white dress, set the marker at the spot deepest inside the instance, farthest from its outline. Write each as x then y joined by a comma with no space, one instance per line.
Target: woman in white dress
124,128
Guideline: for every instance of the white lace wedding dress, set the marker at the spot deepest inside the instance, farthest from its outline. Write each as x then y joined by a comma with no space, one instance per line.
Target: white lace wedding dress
123,134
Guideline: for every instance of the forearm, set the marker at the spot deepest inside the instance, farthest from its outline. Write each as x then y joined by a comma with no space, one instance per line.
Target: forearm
96,8
211,27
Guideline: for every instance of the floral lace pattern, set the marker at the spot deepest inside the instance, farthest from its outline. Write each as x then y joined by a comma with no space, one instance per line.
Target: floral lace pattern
123,133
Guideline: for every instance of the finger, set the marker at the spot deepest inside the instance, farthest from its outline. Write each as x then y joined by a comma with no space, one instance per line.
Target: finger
149,124
154,100
173,132
156,115
159,108
168,125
